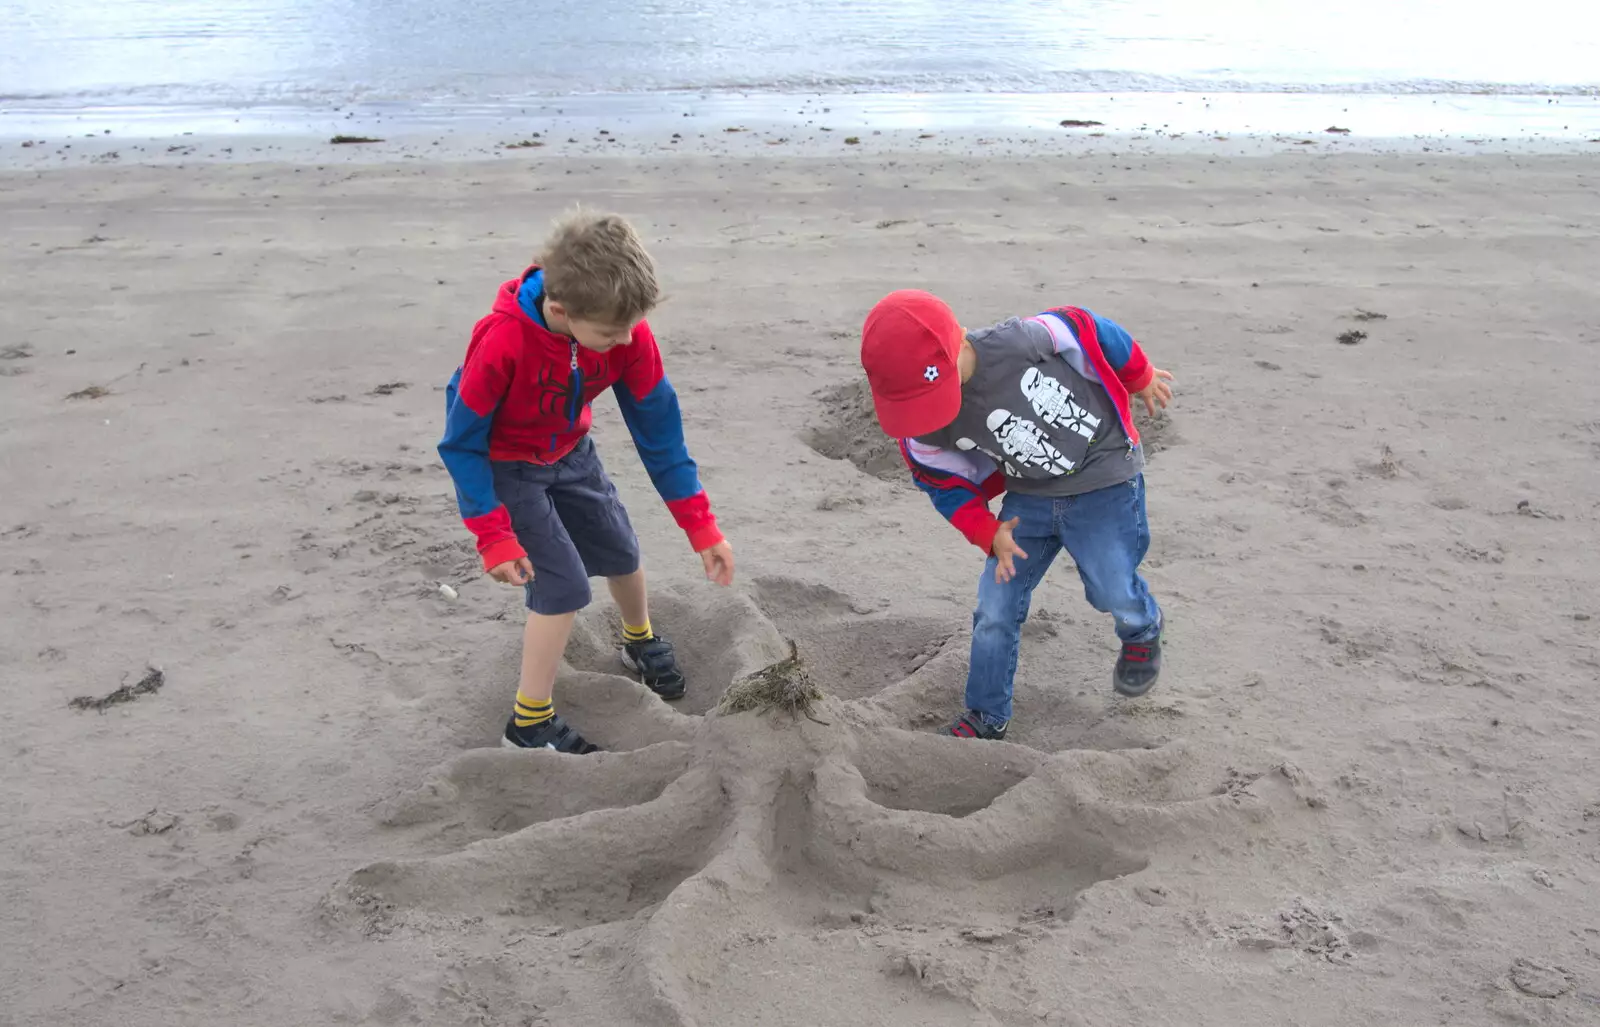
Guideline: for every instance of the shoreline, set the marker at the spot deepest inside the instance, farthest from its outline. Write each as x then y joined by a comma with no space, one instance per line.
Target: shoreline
1214,124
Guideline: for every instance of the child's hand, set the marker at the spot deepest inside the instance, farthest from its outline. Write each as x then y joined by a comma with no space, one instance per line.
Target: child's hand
1158,391
1005,549
513,572
719,563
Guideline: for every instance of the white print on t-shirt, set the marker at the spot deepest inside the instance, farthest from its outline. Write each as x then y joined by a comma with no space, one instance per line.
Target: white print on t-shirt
1052,401
1024,442
967,445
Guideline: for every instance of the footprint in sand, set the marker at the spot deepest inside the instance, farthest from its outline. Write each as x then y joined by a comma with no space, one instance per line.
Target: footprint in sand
719,845
847,429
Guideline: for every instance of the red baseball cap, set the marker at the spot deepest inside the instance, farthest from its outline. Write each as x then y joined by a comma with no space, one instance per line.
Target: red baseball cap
909,345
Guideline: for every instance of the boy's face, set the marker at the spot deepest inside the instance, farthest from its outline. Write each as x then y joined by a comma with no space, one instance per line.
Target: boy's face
598,336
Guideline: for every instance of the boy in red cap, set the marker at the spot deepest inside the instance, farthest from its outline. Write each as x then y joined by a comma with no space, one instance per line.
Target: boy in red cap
1040,409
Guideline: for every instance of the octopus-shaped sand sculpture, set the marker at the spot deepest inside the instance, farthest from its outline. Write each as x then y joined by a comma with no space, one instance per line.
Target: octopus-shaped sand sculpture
768,804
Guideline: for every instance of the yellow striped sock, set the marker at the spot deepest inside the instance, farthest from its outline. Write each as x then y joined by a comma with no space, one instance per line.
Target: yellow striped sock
633,634
532,712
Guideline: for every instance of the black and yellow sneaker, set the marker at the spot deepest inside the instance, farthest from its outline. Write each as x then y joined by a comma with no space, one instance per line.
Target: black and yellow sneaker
554,733
657,666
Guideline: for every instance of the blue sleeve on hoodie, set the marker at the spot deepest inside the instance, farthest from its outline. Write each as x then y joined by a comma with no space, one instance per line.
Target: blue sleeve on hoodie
656,424
948,498
1115,342
465,452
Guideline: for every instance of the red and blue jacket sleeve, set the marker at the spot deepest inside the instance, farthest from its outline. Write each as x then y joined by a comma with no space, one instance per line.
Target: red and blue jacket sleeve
471,399
649,407
1123,353
960,485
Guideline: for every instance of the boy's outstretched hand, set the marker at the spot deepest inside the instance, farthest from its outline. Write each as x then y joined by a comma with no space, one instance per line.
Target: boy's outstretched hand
1005,550
1158,391
719,563
513,572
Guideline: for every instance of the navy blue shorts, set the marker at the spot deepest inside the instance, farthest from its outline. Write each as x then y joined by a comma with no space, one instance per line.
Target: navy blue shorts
569,518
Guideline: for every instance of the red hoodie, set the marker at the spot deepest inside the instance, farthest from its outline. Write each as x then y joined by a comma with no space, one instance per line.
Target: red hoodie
523,392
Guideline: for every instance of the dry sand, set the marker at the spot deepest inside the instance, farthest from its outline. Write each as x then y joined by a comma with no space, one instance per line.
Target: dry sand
1366,791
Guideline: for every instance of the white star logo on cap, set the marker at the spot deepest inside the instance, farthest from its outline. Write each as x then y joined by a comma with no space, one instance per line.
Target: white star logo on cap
932,373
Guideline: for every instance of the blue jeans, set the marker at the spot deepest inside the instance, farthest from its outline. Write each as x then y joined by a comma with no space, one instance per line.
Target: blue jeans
1107,534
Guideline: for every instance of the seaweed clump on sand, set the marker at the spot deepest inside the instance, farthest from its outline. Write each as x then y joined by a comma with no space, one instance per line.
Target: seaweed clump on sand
786,686
149,684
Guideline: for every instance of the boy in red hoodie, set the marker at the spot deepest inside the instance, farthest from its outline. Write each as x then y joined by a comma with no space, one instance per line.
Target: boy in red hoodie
1040,409
528,480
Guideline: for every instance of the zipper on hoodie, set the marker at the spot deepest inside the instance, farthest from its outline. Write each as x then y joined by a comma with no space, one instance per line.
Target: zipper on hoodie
574,390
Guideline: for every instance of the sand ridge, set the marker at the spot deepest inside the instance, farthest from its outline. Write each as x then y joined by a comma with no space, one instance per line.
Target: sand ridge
919,857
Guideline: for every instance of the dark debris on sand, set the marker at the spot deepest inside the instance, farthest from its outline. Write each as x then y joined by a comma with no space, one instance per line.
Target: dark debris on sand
150,683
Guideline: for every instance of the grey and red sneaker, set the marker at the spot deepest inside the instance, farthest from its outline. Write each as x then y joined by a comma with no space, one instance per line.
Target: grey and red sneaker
972,724
1138,666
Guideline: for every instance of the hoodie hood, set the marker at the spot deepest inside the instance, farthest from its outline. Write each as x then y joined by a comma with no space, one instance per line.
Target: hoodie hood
519,298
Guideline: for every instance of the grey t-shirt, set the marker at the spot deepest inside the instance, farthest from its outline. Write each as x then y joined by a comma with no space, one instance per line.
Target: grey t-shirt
1052,430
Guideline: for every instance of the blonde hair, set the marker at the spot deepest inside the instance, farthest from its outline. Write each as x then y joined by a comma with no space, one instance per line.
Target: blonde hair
596,266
